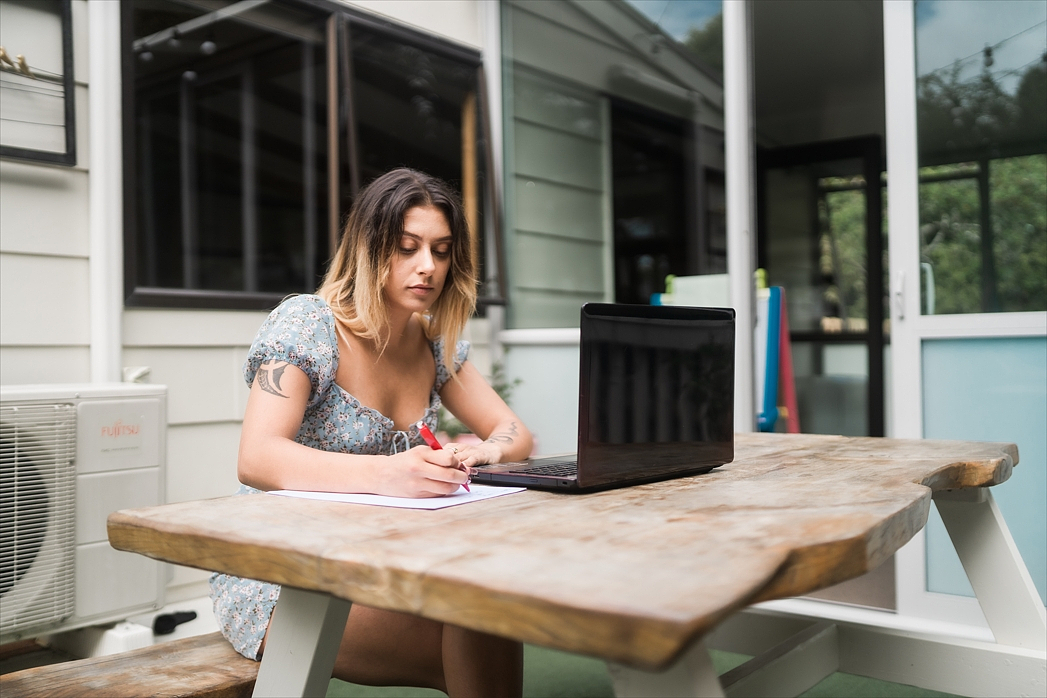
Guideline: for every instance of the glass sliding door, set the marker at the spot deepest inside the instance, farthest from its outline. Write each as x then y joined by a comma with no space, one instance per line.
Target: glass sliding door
816,207
967,156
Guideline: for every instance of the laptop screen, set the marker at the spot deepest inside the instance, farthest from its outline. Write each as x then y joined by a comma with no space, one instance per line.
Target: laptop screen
656,390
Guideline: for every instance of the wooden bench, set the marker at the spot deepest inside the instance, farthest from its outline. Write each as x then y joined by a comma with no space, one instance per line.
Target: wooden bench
205,665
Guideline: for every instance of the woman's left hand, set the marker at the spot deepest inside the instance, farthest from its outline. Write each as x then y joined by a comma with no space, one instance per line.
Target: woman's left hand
479,407
472,455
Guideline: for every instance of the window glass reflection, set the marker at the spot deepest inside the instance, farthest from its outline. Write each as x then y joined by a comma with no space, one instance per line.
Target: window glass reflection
982,116
229,120
416,107
410,107
696,24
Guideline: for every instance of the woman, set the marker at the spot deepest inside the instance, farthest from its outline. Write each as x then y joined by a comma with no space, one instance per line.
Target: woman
339,383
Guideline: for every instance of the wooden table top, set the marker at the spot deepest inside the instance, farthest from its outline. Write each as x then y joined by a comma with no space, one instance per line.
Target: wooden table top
633,575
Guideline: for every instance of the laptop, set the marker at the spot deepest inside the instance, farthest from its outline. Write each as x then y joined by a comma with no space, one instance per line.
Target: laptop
656,401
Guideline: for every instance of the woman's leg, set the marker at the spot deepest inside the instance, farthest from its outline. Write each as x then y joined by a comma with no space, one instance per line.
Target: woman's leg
386,648
478,664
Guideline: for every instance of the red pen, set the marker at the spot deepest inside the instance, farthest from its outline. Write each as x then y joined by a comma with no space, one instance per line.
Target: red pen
435,445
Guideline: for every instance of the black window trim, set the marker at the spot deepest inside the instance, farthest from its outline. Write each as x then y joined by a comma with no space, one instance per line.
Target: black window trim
136,296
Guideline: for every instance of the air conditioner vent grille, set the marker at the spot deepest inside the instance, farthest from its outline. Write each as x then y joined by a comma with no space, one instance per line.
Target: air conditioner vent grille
37,514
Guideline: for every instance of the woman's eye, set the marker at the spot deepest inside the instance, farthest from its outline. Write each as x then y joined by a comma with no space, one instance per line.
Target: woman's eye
442,251
407,250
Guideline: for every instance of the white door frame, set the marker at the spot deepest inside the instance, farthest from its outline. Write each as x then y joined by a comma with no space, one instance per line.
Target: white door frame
908,327
741,187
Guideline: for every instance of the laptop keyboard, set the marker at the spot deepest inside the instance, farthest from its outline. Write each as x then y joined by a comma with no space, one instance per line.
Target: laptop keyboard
553,467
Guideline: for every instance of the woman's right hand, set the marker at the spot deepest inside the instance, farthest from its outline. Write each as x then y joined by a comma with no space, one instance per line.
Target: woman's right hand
420,472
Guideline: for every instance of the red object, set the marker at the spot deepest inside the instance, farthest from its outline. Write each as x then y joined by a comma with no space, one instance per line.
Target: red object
787,382
435,445
428,436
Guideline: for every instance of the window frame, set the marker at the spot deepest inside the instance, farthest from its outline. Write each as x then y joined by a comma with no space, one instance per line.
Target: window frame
68,157
340,20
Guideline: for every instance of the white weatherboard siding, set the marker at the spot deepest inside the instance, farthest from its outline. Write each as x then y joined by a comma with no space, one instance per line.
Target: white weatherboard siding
44,300
44,364
454,20
43,210
198,355
559,241
557,149
201,465
44,247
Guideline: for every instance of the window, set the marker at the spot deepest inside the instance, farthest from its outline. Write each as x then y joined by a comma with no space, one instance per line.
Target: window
613,153
249,128
659,228
821,237
982,121
36,81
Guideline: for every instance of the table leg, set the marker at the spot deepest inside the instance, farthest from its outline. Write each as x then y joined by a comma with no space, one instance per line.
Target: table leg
1001,581
692,675
304,635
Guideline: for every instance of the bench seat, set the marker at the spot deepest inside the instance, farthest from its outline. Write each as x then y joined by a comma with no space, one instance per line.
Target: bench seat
204,665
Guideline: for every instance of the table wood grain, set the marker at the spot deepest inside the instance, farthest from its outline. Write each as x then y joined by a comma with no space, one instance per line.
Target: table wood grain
633,575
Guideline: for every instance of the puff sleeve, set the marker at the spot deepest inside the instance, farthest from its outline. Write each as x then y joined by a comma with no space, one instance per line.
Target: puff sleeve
301,332
461,353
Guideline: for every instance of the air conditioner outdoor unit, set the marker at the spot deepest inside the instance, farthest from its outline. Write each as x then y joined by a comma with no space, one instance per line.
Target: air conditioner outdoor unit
69,456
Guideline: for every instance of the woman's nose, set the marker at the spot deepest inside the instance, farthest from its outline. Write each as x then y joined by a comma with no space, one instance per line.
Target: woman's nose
426,263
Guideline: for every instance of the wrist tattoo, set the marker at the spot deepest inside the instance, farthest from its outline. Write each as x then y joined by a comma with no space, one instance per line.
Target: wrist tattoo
269,377
505,437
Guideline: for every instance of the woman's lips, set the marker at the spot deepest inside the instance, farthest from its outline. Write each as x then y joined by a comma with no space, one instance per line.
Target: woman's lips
420,290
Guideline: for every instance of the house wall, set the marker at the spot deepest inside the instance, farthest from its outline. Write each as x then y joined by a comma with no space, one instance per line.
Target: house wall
198,354
559,240
44,242
455,20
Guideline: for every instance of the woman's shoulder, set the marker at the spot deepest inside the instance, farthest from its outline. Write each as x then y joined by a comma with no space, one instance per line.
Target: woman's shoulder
306,313
301,332
460,354
304,304
439,347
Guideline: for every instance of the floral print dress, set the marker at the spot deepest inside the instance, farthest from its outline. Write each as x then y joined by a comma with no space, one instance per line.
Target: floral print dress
301,331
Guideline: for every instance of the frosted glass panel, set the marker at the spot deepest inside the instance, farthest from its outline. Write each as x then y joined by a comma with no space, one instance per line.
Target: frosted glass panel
991,390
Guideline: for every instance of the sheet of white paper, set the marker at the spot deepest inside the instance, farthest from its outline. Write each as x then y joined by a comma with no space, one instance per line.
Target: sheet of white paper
460,497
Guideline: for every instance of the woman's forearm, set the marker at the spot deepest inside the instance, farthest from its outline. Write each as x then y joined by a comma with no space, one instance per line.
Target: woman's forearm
511,440
278,463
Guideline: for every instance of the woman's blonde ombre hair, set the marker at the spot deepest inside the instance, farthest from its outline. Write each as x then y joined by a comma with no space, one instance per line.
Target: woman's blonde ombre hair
354,283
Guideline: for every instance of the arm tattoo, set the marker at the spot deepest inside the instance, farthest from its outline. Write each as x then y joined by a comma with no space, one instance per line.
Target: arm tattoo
277,373
505,437
263,378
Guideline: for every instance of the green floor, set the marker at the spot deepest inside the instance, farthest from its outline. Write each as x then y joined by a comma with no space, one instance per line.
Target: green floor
548,673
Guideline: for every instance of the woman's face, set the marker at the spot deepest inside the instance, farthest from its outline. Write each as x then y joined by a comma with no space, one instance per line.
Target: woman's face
420,263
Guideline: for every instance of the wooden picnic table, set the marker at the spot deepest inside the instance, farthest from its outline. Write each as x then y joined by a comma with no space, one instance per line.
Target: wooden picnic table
635,576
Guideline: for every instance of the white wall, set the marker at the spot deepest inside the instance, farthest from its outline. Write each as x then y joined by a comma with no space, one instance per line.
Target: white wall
44,241
545,361
558,197
455,20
